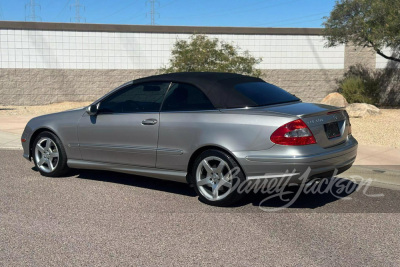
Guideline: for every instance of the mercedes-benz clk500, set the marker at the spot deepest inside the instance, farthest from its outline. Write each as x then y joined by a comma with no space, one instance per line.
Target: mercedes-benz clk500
196,128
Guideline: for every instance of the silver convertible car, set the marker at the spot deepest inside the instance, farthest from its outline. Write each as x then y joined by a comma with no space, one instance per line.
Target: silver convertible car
204,129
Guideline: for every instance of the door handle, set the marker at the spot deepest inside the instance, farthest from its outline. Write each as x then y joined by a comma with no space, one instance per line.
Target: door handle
149,122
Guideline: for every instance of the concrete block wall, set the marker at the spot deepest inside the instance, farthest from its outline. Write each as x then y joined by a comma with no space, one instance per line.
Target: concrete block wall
35,49
382,63
46,86
360,55
43,63
308,85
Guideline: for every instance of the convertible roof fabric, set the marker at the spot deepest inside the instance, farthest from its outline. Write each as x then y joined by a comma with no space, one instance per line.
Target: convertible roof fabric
219,87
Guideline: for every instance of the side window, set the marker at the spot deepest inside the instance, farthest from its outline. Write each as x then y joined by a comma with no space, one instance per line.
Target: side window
145,97
185,97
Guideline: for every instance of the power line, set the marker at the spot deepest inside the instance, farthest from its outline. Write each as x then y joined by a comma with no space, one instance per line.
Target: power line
237,10
31,6
1,12
62,10
118,11
77,6
291,19
140,14
167,4
153,12
284,25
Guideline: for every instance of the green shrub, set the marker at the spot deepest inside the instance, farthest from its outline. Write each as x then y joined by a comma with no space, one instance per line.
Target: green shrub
201,53
353,89
360,85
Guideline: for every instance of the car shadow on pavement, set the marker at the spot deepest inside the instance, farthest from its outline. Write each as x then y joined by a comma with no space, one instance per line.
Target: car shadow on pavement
135,180
301,200
130,180
70,173
301,197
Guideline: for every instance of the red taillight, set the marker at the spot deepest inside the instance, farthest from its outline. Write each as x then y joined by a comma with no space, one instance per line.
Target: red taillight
294,133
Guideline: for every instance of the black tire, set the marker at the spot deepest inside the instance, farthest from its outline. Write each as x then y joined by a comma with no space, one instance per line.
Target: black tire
61,167
202,191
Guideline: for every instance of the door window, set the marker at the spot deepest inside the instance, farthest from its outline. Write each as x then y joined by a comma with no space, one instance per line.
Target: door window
145,97
186,97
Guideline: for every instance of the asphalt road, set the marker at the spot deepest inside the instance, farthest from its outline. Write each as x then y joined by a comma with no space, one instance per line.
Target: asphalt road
99,218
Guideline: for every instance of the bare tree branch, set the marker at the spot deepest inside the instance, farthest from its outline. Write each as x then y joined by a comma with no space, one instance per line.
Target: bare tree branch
387,57
382,54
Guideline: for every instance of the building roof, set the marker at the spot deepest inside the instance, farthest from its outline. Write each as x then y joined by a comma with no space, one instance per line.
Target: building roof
219,87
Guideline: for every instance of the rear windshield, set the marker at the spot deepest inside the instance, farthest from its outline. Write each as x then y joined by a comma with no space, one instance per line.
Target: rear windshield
264,94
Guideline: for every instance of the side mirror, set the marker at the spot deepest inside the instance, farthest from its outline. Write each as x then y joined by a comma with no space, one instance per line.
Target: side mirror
92,109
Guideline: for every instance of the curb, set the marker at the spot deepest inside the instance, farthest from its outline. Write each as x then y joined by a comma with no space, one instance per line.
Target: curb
381,177
11,148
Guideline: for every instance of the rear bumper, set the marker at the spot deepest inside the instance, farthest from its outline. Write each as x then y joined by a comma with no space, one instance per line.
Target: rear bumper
289,161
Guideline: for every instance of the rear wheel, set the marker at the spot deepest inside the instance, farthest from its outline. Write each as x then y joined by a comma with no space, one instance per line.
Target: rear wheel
49,155
216,176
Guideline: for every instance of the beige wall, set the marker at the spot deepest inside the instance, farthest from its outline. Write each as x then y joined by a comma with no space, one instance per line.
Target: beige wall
45,86
359,55
309,85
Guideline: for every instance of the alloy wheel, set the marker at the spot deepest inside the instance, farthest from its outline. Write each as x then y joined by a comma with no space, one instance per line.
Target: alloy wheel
46,154
214,178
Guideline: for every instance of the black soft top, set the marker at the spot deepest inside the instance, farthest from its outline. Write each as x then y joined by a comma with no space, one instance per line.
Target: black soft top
219,87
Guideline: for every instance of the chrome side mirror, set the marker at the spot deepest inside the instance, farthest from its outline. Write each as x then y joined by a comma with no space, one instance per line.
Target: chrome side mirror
92,109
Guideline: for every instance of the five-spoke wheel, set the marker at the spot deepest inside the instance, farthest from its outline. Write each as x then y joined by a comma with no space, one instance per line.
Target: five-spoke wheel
49,155
46,154
214,176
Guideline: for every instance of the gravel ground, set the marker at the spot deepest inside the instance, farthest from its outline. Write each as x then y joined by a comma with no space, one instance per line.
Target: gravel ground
374,130
39,110
382,130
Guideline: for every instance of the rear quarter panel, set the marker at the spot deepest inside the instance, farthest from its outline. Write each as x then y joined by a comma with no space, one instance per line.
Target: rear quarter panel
182,133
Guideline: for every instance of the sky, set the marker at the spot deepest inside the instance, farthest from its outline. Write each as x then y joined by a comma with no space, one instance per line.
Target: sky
250,13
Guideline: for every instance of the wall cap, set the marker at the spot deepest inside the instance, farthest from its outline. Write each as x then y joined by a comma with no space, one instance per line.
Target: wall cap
52,26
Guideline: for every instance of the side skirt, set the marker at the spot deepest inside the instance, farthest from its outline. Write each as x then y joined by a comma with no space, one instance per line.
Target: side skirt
171,175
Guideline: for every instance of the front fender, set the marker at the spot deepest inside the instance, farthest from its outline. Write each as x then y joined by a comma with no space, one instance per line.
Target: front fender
63,124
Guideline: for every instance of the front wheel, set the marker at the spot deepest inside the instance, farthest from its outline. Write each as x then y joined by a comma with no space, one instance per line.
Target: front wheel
49,155
216,177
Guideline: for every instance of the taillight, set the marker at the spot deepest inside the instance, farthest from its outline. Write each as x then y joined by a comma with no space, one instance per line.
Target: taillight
294,133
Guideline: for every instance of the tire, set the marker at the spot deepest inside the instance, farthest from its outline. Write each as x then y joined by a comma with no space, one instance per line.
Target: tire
212,181
49,155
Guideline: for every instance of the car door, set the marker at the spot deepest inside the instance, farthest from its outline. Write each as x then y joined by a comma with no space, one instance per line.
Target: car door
125,128
185,114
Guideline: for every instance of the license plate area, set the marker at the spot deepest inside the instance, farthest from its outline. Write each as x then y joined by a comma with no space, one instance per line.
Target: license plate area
332,130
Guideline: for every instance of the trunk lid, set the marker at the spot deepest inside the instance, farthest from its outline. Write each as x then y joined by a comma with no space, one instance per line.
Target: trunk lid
329,124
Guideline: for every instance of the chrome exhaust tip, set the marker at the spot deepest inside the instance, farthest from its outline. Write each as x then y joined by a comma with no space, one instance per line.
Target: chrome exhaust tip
313,181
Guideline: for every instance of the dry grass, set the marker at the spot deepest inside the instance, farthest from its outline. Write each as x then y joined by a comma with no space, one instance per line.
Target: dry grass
381,130
40,110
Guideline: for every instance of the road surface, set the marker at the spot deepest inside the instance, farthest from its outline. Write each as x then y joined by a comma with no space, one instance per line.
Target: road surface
99,218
